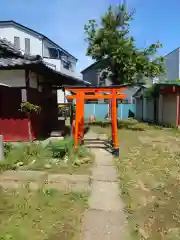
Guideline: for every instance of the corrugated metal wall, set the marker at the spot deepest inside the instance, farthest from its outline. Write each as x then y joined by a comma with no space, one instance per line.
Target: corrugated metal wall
101,110
139,109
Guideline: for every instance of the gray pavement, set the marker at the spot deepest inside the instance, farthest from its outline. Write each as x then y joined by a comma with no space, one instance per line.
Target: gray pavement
105,218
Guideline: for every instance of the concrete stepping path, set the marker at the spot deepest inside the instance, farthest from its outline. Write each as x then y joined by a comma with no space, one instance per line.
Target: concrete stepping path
105,218
38,179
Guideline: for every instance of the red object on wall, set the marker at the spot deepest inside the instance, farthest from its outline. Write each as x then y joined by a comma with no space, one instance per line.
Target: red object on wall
14,123
14,129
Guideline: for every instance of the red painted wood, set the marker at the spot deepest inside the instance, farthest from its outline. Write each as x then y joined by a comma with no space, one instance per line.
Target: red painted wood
177,109
169,90
14,124
14,129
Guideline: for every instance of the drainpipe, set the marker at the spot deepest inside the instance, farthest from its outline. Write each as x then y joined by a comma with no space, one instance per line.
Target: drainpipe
94,109
121,105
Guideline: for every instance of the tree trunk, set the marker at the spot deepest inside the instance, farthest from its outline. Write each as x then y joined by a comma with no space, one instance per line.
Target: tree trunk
29,129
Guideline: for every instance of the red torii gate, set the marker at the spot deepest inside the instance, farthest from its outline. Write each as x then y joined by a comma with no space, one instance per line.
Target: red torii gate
86,93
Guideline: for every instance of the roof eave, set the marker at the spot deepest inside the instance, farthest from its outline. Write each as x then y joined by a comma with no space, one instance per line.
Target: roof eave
37,34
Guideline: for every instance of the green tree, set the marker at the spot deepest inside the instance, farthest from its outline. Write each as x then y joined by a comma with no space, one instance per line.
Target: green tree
112,46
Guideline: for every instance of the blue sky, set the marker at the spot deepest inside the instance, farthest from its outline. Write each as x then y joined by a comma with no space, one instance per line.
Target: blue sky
63,21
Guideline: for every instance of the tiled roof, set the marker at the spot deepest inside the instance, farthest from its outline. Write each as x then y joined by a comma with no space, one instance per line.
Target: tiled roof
20,62
8,46
21,59
16,24
5,44
12,62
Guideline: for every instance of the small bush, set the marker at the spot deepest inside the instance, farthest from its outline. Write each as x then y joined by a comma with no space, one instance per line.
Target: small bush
24,154
61,148
7,148
82,152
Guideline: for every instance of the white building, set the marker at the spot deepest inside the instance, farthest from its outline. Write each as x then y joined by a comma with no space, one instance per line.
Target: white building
172,64
34,43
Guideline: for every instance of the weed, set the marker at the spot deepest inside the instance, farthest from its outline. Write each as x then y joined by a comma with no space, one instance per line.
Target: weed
43,214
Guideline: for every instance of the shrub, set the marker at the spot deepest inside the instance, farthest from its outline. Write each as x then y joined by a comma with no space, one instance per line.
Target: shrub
61,148
7,148
24,154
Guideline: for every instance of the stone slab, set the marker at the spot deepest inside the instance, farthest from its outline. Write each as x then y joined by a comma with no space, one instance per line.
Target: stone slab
105,197
101,225
104,173
23,175
106,160
79,187
10,184
67,178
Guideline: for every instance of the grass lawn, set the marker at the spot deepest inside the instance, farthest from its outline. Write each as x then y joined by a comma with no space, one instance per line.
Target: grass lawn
149,173
37,215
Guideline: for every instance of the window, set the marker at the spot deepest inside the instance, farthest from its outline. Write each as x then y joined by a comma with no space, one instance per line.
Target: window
27,45
64,58
17,42
66,65
53,53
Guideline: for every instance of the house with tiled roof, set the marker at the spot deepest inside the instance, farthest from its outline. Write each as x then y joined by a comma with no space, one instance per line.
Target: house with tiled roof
26,77
32,42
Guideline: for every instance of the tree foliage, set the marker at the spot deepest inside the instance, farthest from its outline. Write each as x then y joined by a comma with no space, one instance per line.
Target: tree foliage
110,43
29,108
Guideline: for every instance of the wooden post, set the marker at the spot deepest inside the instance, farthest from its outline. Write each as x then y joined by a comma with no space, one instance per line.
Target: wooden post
114,124
1,148
76,133
82,117
177,108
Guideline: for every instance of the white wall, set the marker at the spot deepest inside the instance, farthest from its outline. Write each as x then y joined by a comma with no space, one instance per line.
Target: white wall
33,80
58,62
37,47
60,96
9,33
53,63
13,78
56,65
16,78
172,66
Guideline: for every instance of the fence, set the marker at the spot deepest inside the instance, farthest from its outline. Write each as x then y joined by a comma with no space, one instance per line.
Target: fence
102,109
